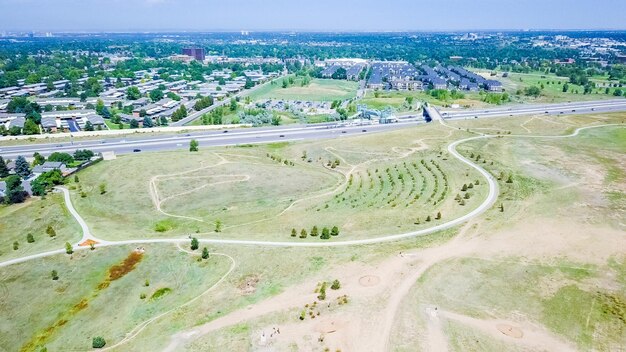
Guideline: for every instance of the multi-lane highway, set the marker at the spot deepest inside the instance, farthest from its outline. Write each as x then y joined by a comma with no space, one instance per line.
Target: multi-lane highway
135,144
212,138
615,105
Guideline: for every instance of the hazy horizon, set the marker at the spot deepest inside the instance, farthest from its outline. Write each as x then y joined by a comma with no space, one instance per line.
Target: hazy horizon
321,16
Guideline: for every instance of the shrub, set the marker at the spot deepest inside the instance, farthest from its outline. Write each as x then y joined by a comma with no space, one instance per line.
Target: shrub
314,231
335,285
55,275
16,245
194,244
30,238
334,231
325,233
142,296
294,233
50,231
98,342
205,253
160,293
68,248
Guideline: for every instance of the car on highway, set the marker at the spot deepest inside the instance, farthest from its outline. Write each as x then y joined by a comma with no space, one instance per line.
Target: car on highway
343,131
136,150
225,131
363,130
282,136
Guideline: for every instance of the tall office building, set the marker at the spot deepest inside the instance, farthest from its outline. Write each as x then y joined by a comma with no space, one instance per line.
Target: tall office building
196,53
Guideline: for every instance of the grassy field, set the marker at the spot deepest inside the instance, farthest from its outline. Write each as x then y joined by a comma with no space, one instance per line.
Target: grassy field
66,314
317,90
34,217
552,261
254,194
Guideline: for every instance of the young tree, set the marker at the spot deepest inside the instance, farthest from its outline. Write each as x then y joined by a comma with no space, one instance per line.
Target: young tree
194,244
510,179
4,170
98,342
464,188
205,253
16,245
303,233
294,233
21,167
103,188
438,215
218,225
50,231
30,238
334,231
193,145
335,285
501,207
68,248
55,275
325,233
428,218
76,180
314,231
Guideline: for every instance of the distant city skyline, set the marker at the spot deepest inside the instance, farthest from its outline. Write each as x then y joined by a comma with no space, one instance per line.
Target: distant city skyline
321,15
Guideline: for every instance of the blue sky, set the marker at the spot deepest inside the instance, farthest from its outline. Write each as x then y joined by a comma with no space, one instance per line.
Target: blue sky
318,15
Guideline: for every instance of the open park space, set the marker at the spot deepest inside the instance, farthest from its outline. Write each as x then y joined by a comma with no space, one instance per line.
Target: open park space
315,90
536,263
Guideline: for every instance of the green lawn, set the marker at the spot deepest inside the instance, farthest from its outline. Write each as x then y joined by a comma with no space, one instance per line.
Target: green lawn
317,90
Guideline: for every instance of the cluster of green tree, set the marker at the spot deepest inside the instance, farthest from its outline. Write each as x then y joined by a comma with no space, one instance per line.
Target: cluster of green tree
203,103
180,113
325,234
341,73
495,98
215,117
444,94
258,117
44,183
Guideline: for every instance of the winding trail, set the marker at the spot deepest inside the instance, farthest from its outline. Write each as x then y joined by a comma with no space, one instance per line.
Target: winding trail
487,203
141,326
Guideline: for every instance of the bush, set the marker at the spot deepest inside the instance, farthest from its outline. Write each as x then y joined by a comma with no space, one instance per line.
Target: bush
55,275
30,238
50,231
98,342
335,285
325,233
334,231
194,244
205,253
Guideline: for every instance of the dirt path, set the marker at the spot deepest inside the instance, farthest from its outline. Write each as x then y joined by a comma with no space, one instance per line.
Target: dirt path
427,258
